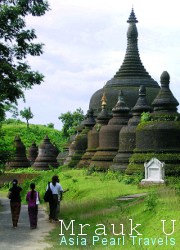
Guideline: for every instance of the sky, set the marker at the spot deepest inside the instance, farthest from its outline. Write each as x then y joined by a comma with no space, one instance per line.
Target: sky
85,43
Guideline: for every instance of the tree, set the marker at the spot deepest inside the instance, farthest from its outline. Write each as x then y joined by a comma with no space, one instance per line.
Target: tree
27,114
12,109
6,151
50,125
16,43
71,121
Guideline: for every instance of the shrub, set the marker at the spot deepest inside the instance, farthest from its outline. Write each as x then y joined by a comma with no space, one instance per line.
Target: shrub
151,201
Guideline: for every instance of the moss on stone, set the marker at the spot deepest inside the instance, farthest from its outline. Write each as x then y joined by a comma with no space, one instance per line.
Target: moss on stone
136,162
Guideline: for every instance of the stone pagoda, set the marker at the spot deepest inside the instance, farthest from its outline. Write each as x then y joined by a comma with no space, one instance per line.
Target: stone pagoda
159,137
19,159
46,157
109,135
79,145
93,135
127,135
72,143
32,153
55,150
129,77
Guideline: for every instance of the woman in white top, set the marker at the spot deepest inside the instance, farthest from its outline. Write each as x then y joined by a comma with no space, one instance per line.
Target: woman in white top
57,191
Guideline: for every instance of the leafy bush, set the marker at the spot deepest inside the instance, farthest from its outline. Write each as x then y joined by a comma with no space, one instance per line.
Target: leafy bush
151,201
71,121
133,179
110,175
145,116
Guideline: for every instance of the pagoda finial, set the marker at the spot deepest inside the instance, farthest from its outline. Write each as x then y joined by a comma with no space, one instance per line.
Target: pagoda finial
132,72
141,104
165,100
165,78
103,100
132,17
121,96
120,105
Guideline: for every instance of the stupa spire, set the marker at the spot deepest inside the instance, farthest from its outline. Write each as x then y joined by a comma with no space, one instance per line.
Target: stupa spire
132,17
130,76
132,71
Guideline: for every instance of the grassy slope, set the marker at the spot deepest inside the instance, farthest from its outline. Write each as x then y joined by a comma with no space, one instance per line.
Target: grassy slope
92,199
34,133
95,203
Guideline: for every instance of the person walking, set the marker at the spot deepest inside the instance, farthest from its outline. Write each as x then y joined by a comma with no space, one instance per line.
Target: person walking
57,191
59,200
33,198
15,202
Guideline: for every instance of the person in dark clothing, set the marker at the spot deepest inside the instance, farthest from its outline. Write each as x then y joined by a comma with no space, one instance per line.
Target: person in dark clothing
15,202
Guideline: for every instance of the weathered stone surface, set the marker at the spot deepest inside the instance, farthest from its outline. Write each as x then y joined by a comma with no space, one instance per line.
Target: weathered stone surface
62,157
55,150
32,153
79,146
46,157
109,136
93,135
161,135
127,135
165,102
19,159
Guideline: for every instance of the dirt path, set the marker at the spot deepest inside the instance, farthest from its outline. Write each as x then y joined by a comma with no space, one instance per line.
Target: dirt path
23,238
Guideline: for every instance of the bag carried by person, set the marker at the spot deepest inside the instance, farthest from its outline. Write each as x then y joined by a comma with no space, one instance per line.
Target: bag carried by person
48,194
37,199
9,195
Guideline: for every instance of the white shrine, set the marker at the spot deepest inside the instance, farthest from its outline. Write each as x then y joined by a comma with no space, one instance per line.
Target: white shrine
154,172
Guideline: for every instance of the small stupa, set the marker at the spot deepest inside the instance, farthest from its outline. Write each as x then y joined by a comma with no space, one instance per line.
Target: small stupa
62,157
93,135
159,137
79,145
46,157
109,135
127,135
19,159
72,143
32,153
55,150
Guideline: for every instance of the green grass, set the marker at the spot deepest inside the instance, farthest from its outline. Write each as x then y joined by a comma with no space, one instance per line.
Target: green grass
96,204
92,199
35,133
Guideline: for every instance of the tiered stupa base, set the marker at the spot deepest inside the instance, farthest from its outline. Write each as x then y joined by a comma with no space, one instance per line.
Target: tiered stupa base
103,159
46,165
86,158
121,161
18,162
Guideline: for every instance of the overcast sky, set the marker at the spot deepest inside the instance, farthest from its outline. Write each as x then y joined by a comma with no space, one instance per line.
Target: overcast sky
85,43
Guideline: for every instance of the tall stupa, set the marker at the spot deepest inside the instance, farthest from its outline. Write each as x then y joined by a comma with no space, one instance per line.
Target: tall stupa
130,76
